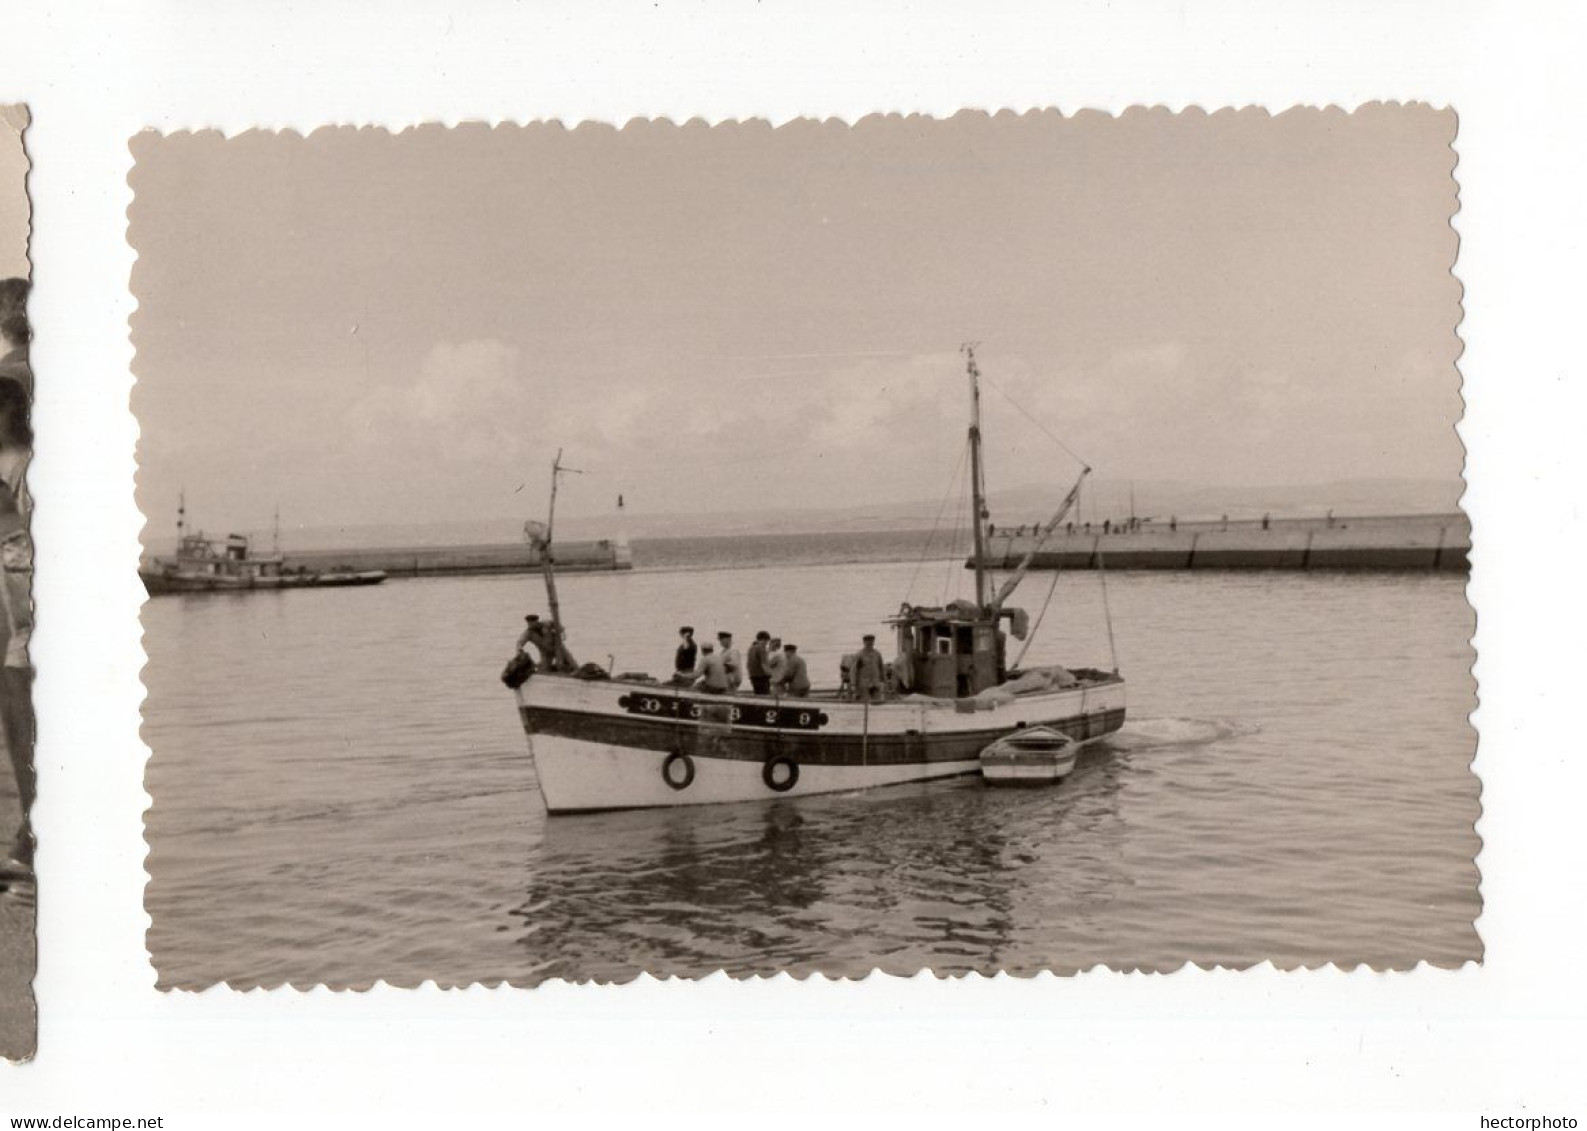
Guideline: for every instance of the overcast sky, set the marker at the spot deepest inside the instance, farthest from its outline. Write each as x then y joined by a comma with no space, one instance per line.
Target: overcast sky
13,193
375,328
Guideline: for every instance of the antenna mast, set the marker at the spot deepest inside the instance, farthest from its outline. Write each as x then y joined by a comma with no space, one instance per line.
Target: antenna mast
977,475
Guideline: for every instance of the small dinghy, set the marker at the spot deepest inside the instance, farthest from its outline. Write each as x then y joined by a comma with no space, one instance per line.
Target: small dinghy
1030,756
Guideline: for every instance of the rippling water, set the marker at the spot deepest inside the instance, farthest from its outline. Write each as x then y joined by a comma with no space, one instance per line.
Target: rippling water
342,791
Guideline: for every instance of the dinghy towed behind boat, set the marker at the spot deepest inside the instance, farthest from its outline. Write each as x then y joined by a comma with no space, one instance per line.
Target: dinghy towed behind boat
633,742
1032,756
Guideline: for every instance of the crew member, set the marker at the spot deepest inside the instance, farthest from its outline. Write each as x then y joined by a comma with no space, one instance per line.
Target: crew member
846,675
531,632
712,673
554,654
732,660
759,681
869,673
776,662
688,653
795,680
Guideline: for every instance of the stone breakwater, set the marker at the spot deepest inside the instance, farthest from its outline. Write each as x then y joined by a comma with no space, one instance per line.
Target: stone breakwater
1435,542
454,561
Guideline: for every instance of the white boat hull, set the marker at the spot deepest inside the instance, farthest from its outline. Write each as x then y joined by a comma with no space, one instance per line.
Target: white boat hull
587,776
606,744
1031,756
1037,773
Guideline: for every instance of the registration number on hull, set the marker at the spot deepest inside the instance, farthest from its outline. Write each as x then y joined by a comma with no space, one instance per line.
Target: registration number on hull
748,714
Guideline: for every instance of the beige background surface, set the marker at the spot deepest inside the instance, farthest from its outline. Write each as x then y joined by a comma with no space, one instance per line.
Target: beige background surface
1507,1039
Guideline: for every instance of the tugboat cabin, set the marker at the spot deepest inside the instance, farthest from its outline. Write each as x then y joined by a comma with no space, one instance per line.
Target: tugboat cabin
196,555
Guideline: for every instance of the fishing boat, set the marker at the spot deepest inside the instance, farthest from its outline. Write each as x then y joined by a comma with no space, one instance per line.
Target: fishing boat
601,743
206,565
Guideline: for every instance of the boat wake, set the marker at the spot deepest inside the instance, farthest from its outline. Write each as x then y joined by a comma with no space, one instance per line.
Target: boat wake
1150,734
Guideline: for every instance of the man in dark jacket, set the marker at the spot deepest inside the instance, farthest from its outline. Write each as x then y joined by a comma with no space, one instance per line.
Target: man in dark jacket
759,677
688,653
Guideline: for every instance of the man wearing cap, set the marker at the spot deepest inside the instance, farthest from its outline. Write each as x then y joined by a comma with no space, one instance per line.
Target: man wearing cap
532,634
870,673
731,660
554,654
713,673
759,680
795,680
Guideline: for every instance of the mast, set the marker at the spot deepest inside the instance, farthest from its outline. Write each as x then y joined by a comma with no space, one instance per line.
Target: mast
547,565
977,480
275,532
181,516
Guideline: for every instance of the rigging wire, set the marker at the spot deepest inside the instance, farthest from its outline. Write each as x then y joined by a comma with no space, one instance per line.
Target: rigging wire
1040,426
936,523
958,524
1035,628
1107,610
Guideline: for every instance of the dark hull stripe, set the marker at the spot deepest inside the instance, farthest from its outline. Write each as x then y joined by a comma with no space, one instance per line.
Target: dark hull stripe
746,744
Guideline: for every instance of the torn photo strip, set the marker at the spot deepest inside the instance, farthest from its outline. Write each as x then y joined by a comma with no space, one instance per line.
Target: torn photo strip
18,894
574,553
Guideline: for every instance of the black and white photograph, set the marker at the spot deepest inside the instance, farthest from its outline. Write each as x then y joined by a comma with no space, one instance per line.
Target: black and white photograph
987,543
18,884
741,562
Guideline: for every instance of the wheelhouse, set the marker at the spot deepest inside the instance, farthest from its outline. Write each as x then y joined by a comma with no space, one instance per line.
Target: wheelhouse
953,652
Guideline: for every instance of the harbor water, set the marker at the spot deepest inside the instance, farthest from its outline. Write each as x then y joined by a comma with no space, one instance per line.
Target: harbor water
342,791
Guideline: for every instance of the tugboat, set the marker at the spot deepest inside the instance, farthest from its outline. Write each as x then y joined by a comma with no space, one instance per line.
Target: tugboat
602,743
204,565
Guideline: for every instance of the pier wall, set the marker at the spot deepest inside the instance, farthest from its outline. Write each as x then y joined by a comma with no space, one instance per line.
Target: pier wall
442,561
1411,542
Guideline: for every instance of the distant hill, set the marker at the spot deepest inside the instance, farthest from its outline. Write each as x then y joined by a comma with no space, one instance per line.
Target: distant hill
1013,506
